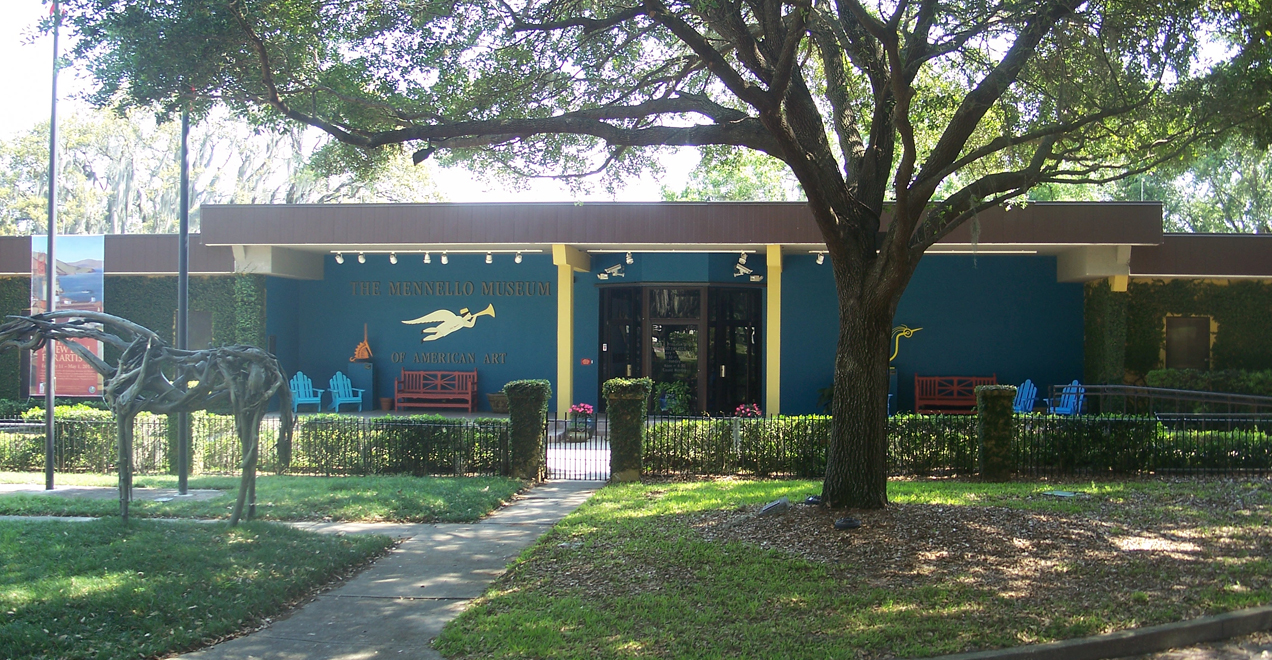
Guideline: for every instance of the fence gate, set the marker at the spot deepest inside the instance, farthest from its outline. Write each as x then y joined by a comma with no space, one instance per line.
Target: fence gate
577,449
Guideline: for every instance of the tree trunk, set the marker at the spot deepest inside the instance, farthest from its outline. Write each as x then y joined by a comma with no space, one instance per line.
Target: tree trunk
856,460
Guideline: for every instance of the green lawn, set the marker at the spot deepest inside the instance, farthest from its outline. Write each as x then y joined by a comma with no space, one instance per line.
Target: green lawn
630,574
102,590
379,499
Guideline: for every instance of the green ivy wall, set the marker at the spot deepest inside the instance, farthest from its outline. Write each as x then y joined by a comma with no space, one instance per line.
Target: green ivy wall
1129,328
236,304
15,298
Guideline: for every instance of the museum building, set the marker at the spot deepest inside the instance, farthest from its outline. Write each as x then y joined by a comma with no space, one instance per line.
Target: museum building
725,303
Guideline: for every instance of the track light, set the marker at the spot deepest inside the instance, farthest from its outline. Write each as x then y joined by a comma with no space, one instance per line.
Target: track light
821,258
362,258
445,259
741,258
393,257
339,258
489,258
517,259
629,259
428,258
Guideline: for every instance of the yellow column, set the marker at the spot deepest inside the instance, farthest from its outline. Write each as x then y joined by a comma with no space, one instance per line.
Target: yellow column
567,260
773,334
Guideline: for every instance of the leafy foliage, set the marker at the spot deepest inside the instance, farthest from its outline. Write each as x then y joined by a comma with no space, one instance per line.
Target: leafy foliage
120,173
945,108
925,445
1234,381
1104,319
1241,310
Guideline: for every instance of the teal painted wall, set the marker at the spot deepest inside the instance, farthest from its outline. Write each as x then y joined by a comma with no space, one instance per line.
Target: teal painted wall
517,343
1003,315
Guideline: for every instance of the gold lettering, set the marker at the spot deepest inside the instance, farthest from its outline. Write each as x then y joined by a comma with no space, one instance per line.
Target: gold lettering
395,288
545,288
375,288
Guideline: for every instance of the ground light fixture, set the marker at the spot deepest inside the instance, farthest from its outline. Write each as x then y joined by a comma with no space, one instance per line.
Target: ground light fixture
490,259
393,257
362,258
339,258
428,258
445,259
517,259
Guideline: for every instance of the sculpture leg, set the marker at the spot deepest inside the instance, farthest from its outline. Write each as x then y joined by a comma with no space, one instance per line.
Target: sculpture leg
247,432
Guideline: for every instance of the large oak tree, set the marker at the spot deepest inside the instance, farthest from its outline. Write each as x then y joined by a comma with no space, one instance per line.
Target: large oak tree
901,119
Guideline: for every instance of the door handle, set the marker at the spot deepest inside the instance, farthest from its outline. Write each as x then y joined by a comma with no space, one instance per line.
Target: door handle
722,371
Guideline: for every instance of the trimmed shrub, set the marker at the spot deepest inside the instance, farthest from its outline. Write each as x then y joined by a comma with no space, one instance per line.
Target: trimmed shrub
527,410
626,400
994,430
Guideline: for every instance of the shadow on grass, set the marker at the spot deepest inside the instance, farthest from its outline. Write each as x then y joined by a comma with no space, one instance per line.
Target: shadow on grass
105,590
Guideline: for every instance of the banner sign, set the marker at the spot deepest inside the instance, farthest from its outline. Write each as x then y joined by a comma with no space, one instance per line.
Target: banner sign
78,284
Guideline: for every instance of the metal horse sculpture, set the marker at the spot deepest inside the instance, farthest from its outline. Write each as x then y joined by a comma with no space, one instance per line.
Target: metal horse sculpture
154,377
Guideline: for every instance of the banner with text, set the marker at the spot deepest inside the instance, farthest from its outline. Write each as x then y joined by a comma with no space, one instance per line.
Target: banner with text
78,284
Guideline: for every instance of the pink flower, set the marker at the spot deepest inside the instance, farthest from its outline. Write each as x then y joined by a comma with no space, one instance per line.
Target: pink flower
748,410
581,409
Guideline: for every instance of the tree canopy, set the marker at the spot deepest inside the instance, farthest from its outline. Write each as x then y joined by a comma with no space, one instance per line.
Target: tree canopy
119,174
900,119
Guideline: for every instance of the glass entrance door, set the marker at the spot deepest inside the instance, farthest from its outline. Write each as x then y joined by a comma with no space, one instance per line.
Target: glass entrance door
734,349
675,365
700,345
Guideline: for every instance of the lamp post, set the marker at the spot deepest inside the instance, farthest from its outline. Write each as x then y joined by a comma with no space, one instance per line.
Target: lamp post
183,300
50,268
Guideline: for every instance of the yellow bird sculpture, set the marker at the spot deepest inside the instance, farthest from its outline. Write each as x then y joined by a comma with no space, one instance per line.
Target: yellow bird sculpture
448,321
897,333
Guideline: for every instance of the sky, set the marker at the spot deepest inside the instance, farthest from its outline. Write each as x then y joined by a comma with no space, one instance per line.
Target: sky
26,79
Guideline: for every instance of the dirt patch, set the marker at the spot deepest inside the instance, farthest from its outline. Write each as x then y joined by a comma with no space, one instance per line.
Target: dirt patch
1119,550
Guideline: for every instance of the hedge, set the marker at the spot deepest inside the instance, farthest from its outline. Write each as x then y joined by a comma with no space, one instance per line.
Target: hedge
1232,381
322,444
934,444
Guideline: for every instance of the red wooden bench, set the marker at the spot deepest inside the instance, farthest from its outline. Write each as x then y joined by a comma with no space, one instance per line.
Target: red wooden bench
951,395
436,389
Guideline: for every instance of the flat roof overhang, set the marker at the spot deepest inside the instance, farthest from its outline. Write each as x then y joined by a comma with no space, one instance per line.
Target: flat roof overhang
131,254
1047,227
1211,256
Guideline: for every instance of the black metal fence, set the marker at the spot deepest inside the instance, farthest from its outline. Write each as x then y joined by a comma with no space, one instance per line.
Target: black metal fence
946,444
579,449
321,444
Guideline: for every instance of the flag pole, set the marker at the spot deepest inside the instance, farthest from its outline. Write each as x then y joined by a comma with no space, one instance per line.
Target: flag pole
50,269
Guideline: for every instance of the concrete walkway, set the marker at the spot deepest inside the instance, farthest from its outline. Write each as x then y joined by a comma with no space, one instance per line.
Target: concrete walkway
397,606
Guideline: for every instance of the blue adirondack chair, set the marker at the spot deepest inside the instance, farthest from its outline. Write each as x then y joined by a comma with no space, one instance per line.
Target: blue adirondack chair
1025,396
1070,401
303,391
342,391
